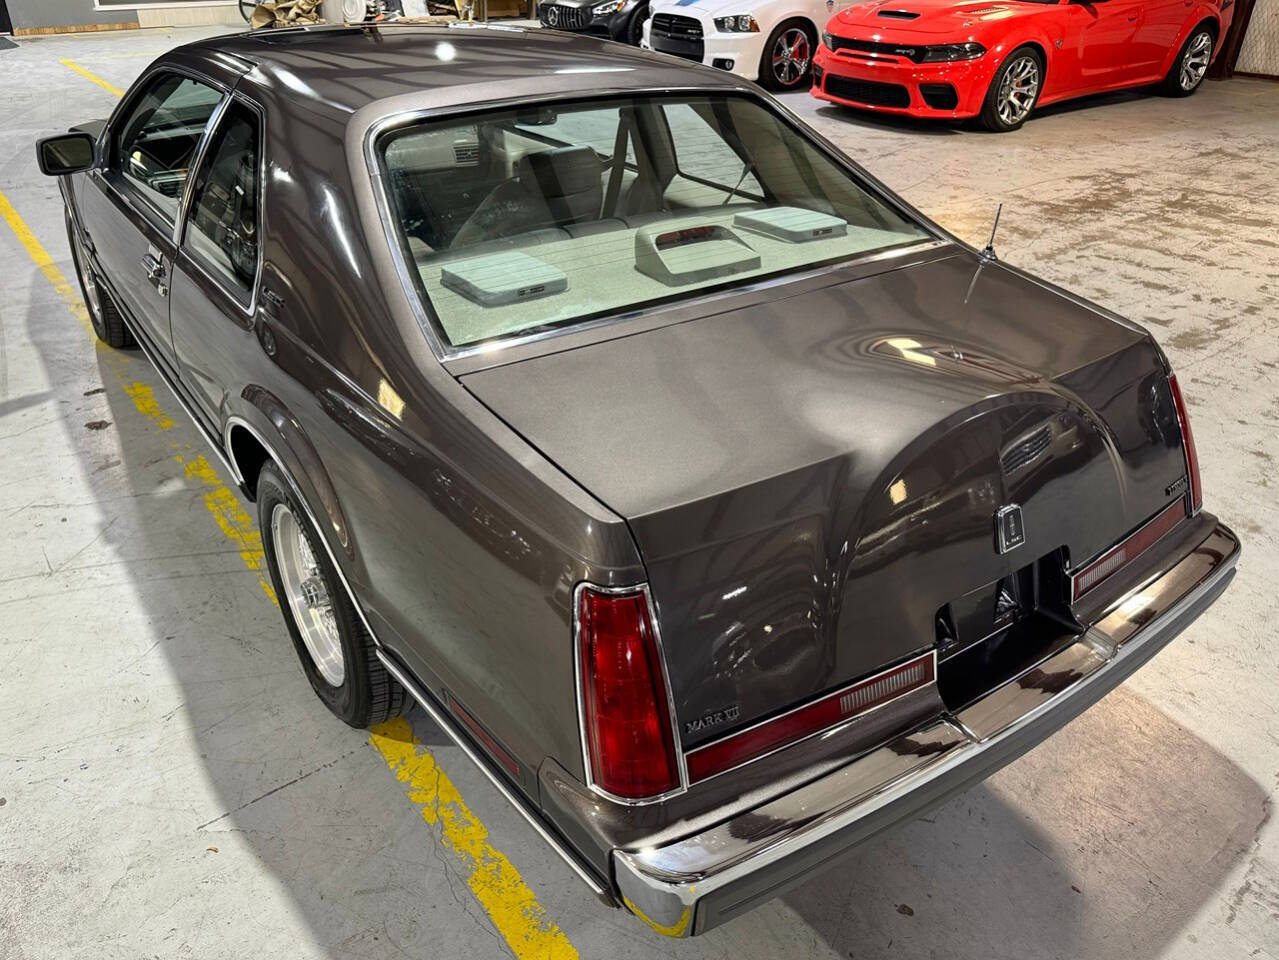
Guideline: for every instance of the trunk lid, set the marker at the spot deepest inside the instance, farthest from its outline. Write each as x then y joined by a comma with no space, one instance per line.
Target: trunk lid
810,479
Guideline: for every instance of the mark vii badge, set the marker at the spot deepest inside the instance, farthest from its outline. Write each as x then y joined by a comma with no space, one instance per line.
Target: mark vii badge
1010,531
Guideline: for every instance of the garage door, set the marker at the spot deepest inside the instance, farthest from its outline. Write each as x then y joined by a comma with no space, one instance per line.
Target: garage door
1259,52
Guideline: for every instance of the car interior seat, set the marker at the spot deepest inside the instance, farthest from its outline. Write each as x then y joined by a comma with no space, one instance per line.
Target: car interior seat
551,188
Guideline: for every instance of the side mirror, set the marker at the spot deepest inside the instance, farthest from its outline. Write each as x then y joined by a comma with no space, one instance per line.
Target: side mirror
65,153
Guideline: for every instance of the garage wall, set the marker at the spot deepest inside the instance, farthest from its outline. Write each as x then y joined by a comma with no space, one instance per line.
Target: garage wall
32,15
36,16
1259,52
180,13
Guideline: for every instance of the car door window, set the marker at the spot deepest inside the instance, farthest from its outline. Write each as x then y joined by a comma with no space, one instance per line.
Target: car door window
157,141
222,226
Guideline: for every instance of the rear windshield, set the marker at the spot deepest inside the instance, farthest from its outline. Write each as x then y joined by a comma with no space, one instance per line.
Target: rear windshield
523,220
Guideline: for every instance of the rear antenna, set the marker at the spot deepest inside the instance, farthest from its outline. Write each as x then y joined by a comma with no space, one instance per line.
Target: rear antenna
989,252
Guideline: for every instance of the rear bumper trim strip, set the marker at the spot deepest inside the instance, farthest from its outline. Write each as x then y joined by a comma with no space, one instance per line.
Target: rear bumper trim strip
688,887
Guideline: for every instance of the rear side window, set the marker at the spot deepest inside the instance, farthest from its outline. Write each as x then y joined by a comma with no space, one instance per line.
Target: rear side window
157,141
521,221
222,226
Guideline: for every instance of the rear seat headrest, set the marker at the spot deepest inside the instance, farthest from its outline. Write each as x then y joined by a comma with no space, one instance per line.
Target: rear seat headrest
568,179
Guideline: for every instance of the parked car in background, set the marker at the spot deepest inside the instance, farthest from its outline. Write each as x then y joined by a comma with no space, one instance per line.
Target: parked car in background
621,20
769,41
721,507
999,59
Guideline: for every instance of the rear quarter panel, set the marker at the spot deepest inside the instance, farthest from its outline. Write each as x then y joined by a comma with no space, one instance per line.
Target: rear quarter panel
463,544
1198,13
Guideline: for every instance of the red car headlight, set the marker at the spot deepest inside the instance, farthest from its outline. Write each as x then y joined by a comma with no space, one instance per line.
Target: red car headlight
947,52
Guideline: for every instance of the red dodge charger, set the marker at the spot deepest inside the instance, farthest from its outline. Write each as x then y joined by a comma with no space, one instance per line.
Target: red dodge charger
999,59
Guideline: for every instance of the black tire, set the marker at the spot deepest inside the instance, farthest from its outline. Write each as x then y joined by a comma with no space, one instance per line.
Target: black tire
367,694
107,322
1184,77
990,116
782,78
635,28
246,9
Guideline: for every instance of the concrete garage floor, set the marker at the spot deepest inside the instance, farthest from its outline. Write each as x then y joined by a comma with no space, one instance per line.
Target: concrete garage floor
169,787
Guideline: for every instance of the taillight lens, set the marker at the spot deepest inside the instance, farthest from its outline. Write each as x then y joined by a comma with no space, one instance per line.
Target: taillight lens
1188,443
1129,549
626,719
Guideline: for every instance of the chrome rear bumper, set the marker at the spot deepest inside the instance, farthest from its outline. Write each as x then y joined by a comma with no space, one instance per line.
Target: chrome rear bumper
688,887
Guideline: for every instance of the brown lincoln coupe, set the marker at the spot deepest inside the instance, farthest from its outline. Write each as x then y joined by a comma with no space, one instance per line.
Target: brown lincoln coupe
722,508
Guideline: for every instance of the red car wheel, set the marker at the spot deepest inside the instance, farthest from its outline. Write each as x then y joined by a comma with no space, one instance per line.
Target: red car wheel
1014,91
788,56
1188,70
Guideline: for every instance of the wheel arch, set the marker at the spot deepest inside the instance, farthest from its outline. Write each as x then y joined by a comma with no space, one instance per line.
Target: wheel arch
1200,19
1035,44
253,437
798,16
264,429
1041,47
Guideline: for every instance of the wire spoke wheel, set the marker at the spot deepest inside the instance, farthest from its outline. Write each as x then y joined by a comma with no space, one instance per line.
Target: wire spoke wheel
306,594
1018,90
1195,63
791,56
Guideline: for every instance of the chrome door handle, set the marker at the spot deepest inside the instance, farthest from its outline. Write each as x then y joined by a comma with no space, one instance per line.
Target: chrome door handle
154,267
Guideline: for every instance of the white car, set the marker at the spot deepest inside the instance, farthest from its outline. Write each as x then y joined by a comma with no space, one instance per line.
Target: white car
769,41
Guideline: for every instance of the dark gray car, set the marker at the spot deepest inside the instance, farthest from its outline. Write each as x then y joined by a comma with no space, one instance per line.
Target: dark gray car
621,20
721,507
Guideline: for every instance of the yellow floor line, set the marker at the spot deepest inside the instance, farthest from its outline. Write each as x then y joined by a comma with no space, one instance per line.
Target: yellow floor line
92,77
497,885
219,499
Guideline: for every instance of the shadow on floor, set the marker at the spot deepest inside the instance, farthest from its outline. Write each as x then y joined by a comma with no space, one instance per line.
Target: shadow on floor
331,835
1100,843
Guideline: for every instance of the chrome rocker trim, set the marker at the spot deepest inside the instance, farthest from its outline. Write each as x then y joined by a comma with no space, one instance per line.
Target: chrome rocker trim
688,887
445,722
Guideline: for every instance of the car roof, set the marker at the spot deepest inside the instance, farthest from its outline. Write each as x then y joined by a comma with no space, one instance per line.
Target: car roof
340,69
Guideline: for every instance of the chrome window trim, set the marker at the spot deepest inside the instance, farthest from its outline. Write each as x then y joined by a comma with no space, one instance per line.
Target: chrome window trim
834,729
635,313
681,765
179,241
424,312
193,172
126,103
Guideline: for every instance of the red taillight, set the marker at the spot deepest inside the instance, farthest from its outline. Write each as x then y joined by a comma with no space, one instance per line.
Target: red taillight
1188,443
822,714
1128,550
626,719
